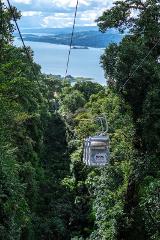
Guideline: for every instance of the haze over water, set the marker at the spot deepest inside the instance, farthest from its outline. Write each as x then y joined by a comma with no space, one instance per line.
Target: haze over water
53,58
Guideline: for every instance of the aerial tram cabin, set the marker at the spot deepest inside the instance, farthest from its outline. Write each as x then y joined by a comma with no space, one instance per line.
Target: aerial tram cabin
96,149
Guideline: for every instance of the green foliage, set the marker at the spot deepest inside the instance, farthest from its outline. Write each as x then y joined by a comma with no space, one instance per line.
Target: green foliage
151,112
98,194
13,205
121,61
111,186
135,62
46,192
88,88
73,101
29,151
149,202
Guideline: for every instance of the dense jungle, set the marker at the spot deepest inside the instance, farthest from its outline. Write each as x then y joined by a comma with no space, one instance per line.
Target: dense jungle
46,191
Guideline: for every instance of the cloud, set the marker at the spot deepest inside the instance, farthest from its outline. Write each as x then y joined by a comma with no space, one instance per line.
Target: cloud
31,13
69,3
59,13
84,18
23,1
57,22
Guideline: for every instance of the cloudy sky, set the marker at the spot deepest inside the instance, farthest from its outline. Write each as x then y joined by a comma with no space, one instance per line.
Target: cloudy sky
59,13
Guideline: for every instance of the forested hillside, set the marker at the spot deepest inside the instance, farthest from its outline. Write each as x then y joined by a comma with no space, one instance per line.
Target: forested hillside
46,191
83,38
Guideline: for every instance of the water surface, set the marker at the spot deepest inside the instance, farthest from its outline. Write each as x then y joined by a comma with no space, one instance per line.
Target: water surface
53,58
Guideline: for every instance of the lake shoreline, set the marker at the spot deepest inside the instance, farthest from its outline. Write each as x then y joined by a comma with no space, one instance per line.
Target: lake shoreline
53,59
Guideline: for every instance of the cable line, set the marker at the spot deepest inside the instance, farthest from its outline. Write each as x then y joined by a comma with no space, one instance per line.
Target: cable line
70,47
22,40
140,65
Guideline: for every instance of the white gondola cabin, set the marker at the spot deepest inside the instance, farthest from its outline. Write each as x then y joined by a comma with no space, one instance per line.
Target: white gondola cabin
96,151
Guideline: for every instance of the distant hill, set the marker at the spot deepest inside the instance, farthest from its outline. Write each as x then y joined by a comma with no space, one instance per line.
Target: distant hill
84,36
58,30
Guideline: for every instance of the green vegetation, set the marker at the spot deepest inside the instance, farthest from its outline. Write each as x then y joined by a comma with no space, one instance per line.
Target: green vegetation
46,192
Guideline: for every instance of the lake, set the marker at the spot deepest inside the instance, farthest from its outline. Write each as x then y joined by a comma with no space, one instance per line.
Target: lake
53,58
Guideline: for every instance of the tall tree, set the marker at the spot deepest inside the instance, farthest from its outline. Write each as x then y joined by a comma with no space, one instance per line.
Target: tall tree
133,71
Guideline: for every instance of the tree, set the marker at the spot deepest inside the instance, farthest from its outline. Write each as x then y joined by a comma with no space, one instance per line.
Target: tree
72,101
88,88
132,68
120,62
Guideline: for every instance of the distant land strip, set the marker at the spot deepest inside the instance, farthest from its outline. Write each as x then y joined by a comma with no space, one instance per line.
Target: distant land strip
84,39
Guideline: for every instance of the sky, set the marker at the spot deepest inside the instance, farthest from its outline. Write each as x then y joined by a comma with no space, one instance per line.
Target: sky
59,13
